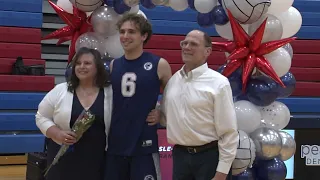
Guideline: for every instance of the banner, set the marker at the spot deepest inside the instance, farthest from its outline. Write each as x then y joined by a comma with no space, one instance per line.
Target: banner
307,157
165,155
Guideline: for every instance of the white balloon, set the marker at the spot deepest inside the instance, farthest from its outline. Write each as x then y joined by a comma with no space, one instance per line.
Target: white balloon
280,61
89,13
248,116
291,21
142,13
246,153
276,115
272,31
134,9
87,5
65,5
205,6
113,46
244,11
225,31
279,6
179,5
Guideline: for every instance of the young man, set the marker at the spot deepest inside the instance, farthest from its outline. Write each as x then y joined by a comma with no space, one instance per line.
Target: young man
132,152
201,121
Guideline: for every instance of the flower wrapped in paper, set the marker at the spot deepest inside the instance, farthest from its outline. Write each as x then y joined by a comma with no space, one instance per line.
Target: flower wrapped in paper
82,124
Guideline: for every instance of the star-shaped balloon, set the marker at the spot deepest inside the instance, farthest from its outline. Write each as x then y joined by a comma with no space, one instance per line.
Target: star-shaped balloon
248,52
77,24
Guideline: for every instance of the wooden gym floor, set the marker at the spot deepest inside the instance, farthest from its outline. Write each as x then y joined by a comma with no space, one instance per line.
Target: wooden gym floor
13,167
13,172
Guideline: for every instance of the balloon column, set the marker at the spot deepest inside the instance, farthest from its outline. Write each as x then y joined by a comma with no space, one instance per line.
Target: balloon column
258,60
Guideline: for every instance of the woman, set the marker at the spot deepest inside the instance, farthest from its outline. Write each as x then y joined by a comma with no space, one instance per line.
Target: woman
87,88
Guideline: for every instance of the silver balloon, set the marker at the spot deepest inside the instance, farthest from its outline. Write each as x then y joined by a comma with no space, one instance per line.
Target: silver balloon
288,146
104,20
289,49
273,30
267,141
131,3
92,41
160,2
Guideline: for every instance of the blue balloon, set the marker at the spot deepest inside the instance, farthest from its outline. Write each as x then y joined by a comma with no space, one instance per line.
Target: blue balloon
147,4
274,169
205,19
262,91
68,72
234,79
248,174
290,82
219,15
106,65
120,7
191,4
109,2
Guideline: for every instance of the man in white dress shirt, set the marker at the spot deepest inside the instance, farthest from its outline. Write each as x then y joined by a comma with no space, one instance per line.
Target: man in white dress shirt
198,110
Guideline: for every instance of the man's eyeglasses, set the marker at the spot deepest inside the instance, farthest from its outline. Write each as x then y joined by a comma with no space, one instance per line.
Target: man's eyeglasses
192,44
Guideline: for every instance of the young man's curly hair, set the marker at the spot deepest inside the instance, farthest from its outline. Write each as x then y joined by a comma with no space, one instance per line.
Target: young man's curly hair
141,23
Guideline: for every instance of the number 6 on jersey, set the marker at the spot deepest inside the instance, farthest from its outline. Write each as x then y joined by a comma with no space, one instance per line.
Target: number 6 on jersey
128,84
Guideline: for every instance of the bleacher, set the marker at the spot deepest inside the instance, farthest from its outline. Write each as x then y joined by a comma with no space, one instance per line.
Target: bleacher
20,35
24,22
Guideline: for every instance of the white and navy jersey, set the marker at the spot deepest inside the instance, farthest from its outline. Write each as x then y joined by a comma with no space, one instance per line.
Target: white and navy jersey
136,87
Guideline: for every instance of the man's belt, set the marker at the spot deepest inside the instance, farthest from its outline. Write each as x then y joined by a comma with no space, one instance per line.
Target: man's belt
197,149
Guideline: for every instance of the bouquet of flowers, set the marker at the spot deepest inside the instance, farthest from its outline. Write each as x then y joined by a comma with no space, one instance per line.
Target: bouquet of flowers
82,124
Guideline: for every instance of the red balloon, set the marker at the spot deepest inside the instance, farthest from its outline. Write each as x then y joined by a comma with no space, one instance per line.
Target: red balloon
247,69
239,53
264,66
240,36
232,66
256,38
224,46
248,52
270,46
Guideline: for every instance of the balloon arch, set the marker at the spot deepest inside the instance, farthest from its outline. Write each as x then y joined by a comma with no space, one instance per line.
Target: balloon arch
258,59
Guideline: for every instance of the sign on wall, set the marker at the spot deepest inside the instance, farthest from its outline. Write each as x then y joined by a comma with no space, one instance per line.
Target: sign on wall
307,157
